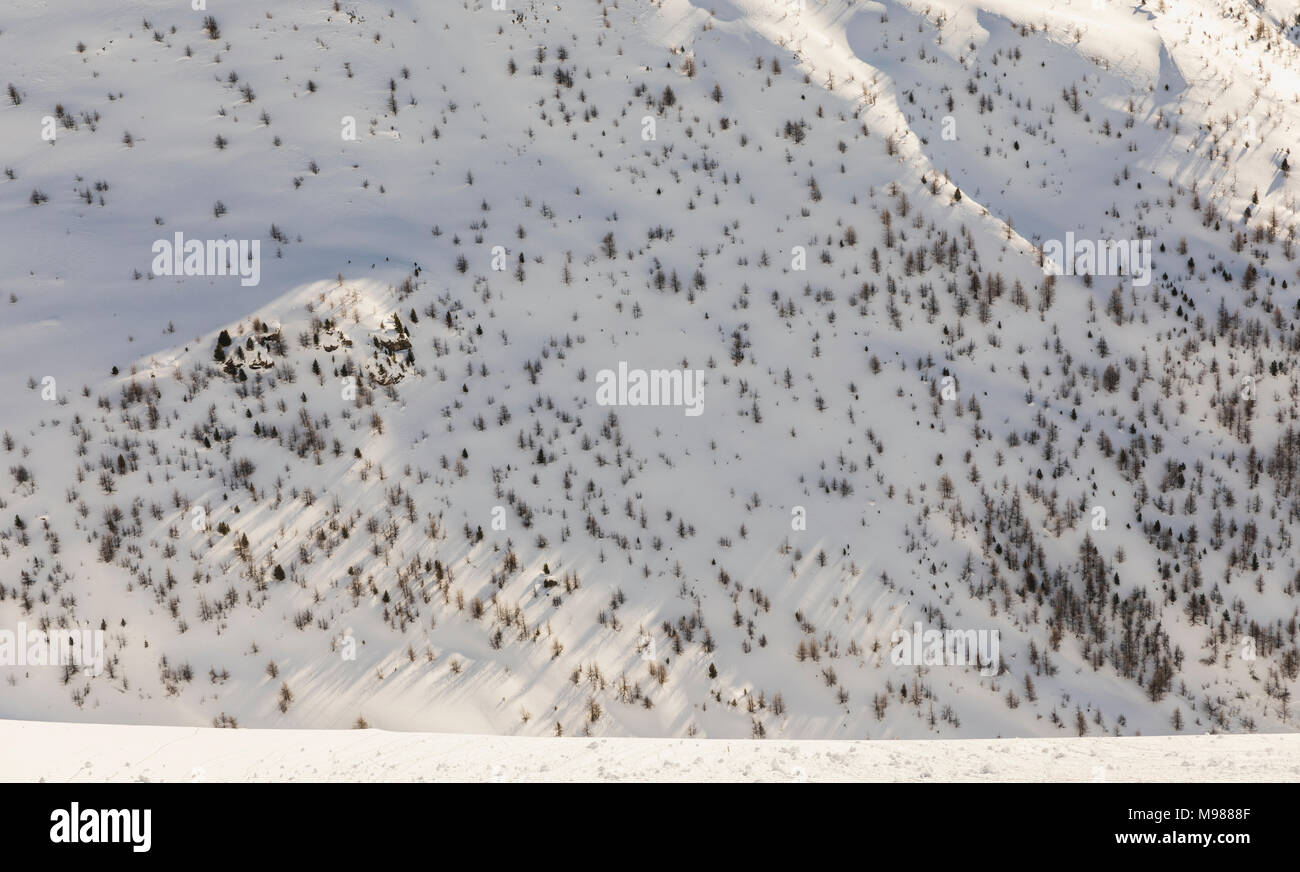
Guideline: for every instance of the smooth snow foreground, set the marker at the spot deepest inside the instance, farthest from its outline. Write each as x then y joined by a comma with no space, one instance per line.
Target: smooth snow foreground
59,752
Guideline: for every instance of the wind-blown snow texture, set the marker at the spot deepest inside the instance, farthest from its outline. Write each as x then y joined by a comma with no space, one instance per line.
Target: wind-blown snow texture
837,211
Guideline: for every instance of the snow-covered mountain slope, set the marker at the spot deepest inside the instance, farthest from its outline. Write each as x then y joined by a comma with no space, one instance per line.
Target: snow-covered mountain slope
62,753
382,481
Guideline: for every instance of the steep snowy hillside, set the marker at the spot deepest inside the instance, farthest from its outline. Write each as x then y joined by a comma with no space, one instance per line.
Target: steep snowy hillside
651,368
